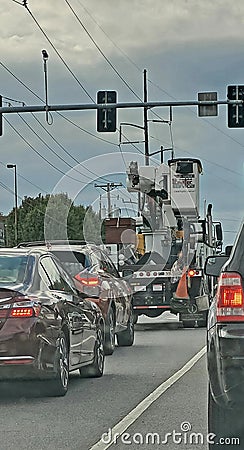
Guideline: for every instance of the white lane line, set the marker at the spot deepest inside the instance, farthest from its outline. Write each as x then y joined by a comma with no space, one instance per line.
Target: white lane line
128,420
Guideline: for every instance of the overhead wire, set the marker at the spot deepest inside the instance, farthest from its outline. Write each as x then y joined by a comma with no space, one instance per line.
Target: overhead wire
39,154
104,56
57,53
116,69
71,156
155,84
53,151
57,112
28,181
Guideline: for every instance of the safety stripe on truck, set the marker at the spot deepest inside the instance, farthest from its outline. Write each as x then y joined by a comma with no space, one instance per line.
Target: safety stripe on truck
151,307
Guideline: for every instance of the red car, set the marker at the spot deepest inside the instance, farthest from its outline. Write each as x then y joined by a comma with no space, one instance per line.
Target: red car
95,275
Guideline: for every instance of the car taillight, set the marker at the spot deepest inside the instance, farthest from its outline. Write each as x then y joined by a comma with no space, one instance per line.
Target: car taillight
87,281
25,312
230,298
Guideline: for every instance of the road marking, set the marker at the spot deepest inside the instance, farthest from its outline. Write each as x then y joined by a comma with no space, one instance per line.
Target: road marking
128,420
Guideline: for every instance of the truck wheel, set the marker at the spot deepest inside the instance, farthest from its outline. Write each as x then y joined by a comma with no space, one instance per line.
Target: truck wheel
126,338
226,424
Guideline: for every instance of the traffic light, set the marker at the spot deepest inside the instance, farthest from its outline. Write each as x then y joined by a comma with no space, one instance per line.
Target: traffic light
106,118
1,117
235,112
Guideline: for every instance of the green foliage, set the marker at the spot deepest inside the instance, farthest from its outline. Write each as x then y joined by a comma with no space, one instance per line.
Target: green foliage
52,217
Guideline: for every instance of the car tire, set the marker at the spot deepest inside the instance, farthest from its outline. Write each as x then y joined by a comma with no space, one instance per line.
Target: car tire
95,370
59,385
109,341
225,423
126,338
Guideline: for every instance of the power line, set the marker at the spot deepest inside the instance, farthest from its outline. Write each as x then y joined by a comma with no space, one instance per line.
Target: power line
40,155
100,50
155,84
28,181
57,52
52,151
104,56
109,38
68,120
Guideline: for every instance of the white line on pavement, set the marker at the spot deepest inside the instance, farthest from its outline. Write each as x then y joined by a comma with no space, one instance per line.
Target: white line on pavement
128,420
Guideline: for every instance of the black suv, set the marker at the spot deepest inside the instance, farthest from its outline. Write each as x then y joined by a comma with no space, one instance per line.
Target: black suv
225,349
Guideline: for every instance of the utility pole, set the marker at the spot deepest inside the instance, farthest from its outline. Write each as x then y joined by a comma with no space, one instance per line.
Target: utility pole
14,166
145,118
108,187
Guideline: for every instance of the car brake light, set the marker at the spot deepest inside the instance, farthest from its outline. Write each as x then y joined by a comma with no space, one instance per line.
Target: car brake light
230,298
87,281
25,312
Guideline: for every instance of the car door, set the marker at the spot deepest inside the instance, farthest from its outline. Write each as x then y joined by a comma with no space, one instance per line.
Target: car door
67,303
85,315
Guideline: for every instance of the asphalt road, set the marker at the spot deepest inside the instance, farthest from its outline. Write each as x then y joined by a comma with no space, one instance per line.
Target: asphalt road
92,407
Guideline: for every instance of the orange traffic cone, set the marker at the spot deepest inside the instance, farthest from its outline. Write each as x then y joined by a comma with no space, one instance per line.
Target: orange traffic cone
181,291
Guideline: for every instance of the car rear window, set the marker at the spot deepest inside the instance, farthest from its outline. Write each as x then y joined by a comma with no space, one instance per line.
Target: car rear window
74,262
12,269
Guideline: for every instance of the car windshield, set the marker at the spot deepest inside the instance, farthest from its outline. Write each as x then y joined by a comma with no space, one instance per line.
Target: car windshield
12,269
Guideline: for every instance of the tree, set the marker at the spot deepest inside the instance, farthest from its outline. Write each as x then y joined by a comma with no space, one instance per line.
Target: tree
52,217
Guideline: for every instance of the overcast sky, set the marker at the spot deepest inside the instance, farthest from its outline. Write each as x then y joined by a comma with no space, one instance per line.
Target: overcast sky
187,46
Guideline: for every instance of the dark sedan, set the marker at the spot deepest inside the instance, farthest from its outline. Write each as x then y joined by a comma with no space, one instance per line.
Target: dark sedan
47,328
225,346
95,275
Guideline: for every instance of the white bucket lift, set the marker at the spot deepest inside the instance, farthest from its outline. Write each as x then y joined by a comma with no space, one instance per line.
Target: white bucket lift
184,186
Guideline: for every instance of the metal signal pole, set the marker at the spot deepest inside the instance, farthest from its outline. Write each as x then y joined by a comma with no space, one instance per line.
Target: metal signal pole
145,118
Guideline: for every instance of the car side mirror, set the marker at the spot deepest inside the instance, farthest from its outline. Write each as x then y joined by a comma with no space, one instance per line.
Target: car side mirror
214,264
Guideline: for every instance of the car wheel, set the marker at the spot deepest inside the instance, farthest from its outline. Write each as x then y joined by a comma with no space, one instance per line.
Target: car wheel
59,385
109,341
126,338
95,369
226,424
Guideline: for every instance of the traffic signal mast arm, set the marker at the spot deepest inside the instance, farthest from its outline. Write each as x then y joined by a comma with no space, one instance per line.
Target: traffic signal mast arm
125,105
